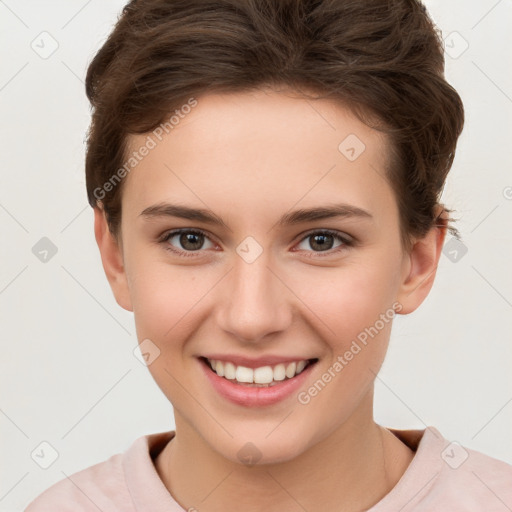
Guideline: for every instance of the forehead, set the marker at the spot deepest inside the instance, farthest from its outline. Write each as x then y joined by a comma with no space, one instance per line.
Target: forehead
255,149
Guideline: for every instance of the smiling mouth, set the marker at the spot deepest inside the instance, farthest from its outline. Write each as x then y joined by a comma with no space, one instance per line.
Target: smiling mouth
264,376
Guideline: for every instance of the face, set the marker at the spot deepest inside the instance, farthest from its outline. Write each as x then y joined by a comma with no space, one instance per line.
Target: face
258,282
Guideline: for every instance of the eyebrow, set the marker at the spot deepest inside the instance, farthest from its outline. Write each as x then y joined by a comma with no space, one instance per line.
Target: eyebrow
341,210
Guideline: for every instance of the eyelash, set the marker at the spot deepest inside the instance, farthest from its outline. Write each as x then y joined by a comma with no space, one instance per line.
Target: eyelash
346,242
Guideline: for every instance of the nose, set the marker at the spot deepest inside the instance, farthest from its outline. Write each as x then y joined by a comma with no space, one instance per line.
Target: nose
255,303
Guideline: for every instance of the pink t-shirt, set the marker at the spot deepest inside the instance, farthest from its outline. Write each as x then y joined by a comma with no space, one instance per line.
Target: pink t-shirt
442,476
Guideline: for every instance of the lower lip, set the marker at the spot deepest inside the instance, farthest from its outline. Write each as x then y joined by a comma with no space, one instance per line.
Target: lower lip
255,396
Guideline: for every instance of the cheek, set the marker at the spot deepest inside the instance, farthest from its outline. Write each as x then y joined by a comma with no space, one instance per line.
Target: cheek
165,304
164,299
355,316
347,300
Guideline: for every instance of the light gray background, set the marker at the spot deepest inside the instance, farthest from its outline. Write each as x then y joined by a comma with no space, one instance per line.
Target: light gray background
68,373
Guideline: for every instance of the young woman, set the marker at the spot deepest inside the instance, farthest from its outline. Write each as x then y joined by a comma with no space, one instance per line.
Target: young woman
265,176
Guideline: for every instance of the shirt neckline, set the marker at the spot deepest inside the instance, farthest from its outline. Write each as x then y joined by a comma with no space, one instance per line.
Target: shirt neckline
148,491
421,472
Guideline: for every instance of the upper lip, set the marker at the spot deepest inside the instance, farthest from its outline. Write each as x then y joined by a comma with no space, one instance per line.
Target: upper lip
255,362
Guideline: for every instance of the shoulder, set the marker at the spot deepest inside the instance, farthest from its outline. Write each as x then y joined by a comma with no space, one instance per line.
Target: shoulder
445,475
126,481
474,480
98,487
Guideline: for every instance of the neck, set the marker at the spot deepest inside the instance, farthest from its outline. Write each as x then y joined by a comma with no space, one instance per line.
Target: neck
351,469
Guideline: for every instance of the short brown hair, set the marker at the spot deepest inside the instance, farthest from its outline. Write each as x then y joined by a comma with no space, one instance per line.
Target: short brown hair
383,59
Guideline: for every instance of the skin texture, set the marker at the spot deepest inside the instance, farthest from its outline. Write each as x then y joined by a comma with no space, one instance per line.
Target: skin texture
249,158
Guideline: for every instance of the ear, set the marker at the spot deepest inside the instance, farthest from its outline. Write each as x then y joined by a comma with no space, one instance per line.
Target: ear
112,260
420,265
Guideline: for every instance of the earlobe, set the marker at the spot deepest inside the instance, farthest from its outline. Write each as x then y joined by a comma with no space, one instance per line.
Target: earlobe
420,266
112,260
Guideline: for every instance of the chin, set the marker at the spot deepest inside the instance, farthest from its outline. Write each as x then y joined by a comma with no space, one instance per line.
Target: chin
261,449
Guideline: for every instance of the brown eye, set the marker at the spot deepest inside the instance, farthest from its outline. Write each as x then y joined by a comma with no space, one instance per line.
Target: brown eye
186,240
323,241
191,241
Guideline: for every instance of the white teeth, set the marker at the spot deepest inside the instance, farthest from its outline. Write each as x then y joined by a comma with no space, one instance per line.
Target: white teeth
244,374
300,366
218,367
262,375
279,372
229,371
290,370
